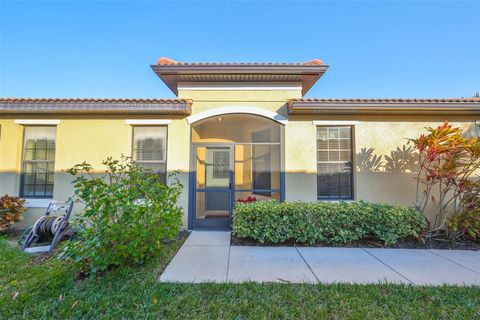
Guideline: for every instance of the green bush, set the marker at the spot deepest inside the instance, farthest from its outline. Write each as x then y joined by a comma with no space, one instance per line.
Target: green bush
128,214
326,222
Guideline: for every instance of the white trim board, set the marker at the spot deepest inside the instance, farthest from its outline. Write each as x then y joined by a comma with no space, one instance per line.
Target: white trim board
237,110
37,202
217,86
334,123
148,122
37,121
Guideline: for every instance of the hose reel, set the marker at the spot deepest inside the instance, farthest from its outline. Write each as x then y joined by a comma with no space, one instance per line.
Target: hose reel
50,228
46,227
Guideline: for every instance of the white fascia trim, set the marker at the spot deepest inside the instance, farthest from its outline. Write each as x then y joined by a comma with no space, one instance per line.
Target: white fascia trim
37,203
238,86
148,122
237,110
49,122
334,123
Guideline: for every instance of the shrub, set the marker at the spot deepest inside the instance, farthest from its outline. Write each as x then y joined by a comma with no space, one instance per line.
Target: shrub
326,222
128,214
465,225
11,211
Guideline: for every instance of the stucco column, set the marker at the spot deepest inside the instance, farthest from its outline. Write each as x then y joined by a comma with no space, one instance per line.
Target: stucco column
300,161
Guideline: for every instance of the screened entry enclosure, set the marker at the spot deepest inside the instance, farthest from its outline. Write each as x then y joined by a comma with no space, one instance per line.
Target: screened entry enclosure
234,157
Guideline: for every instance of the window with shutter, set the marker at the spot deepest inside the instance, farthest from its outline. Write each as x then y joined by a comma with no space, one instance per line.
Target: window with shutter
150,149
334,163
38,162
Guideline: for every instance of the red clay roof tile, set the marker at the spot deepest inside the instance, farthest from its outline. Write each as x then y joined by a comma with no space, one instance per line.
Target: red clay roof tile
168,61
165,60
92,100
386,100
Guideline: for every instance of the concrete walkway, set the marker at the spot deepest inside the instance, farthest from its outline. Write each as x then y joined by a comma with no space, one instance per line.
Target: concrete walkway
208,257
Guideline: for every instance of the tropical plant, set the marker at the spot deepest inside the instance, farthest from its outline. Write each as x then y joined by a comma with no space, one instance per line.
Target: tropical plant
128,215
465,225
11,211
447,178
247,199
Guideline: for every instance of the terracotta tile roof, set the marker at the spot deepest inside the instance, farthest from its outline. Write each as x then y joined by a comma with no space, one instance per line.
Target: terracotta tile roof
431,106
168,61
387,100
95,106
92,100
172,72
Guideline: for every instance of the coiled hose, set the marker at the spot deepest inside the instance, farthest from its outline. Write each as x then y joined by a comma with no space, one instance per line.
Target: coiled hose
46,227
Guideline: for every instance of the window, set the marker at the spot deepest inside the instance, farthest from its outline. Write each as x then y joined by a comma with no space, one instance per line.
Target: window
334,163
38,165
150,149
220,165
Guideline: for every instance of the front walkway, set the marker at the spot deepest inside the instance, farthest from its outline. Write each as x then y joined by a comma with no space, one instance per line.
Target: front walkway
208,257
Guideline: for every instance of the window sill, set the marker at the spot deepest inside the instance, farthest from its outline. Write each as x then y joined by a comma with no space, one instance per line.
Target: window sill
37,202
336,200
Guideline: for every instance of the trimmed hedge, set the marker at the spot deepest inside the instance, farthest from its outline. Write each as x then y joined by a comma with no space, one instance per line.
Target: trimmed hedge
326,222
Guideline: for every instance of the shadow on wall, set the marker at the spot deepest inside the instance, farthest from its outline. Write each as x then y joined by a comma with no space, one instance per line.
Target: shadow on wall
401,160
388,178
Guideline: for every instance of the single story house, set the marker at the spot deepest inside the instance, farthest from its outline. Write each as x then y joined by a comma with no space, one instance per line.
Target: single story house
235,130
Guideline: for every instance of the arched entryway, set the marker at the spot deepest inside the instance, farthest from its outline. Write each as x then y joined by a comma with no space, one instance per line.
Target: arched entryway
235,157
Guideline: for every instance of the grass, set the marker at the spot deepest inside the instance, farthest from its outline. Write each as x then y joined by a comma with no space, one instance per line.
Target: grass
47,290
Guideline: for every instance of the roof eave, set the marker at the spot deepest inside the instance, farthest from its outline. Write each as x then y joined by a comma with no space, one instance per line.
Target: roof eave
45,108
239,69
410,108
170,73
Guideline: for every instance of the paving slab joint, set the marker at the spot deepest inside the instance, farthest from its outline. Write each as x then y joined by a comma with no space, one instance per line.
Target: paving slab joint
455,262
386,265
228,261
309,267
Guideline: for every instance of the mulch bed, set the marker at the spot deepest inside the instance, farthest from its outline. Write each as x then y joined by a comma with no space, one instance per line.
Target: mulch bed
11,233
404,244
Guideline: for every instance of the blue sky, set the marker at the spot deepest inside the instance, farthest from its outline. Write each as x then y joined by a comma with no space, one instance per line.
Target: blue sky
374,49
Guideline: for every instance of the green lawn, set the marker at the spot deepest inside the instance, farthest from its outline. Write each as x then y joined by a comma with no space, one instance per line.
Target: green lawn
47,290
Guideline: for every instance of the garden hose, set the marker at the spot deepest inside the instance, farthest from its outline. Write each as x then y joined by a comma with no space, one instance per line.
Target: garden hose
46,227
23,235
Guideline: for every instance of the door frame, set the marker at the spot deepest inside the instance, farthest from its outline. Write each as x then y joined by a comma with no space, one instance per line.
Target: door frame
194,190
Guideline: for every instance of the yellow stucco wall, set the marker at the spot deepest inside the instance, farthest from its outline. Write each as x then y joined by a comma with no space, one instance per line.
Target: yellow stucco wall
92,139
383,134
10,154
300,161
268,99
81,139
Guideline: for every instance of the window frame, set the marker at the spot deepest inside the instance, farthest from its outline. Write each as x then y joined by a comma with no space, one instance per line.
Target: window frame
151,161
267,158
23,162
352,162
220,174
